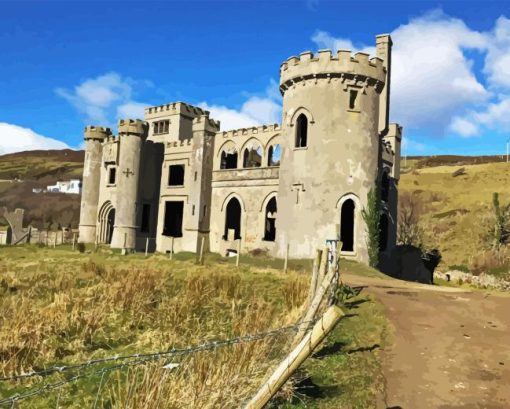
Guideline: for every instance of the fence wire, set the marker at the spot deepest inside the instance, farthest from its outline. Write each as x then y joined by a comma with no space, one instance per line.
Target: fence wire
126,361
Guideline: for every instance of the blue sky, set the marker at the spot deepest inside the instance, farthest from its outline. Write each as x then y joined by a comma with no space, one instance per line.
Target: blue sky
67,64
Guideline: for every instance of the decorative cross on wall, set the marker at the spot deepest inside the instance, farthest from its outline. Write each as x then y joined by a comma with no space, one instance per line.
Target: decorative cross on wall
128,172
298,187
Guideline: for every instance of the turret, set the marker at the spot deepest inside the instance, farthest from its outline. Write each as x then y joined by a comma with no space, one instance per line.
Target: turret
331,150
131,134
383,50
94,137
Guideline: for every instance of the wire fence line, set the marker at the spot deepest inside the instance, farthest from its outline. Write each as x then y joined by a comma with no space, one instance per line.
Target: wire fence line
128,361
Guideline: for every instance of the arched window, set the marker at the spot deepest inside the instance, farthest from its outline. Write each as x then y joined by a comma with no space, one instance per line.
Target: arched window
385,186
274,155
228,160
301,131
347,225
270,220
252,157
383,232
233,220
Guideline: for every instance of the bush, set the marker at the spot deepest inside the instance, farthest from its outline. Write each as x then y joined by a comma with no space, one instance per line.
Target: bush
81,247
371,216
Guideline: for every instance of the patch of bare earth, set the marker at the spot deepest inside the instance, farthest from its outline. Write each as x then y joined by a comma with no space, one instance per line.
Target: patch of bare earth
449,349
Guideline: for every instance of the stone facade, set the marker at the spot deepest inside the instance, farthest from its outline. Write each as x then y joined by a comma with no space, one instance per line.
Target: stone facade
175,178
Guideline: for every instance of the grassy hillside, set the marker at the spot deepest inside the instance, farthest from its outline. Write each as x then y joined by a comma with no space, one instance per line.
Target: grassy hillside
454,207
21,172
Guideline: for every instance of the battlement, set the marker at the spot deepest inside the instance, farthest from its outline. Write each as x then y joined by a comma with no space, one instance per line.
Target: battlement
96,132
324,65
133,127
176,108
182,143
207,123
249,131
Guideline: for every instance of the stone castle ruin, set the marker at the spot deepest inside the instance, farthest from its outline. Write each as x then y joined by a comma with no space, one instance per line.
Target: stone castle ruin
176,178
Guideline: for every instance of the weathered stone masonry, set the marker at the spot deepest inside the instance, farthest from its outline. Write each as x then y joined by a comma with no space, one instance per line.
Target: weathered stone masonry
176,178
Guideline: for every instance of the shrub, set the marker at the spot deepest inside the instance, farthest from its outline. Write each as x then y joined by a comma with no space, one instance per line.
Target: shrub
371,216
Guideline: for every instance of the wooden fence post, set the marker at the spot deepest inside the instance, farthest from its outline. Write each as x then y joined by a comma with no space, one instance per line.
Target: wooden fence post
315,276
302,351
286,262
55,240
146,247
74,241
172,249
202,244
238,252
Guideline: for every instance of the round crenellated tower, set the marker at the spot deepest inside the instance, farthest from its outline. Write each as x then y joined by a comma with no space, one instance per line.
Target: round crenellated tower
94,137
330,151
131,134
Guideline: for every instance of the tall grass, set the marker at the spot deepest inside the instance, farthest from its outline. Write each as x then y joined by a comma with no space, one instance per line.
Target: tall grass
74,309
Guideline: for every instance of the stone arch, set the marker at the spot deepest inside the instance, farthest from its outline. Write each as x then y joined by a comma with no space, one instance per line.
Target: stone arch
253,153
271,145
227,199
299,111
233,219
106,220
270,215
228,155
349,213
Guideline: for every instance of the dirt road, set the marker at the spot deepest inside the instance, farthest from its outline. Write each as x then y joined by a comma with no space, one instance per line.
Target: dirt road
450,349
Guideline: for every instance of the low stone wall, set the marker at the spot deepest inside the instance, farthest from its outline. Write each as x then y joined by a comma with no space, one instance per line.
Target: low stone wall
483,280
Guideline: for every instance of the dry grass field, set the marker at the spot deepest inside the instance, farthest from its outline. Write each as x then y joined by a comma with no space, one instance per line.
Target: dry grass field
59,307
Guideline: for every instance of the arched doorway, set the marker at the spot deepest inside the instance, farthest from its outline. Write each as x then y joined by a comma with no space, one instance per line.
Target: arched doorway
106,221
383,232
270,220
347,225
233,219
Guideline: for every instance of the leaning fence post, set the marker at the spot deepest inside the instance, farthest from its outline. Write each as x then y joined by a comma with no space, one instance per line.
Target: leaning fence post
55,240
74,240
172,249
146,247
298,355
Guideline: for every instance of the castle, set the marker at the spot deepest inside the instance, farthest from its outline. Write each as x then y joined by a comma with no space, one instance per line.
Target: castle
175,178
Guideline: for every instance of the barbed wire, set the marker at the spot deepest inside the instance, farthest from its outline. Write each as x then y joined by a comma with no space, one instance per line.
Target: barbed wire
134,359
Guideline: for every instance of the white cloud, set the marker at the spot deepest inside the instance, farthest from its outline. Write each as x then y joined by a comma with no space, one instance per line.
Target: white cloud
497,63
411,145
256,110
324,40
432,78
104,98
14,138
464,127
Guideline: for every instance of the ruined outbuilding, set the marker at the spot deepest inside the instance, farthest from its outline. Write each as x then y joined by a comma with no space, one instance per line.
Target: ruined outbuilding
175,178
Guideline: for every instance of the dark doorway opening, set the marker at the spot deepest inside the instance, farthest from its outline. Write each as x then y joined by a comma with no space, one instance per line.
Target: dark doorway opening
110,222
173,219
233,219
383,232
347,225
146,214
270,220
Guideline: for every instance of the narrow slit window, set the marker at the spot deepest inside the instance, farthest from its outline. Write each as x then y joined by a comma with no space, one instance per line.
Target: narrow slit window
112,173
301,131
353,96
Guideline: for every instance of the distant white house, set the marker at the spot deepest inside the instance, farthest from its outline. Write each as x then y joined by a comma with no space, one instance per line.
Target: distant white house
72,187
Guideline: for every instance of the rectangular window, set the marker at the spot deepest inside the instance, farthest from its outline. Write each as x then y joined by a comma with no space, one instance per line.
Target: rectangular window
193,210
146,214
112,173
173,219
161,127
176,175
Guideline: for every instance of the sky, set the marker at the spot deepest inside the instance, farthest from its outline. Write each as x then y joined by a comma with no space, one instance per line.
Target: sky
65,65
